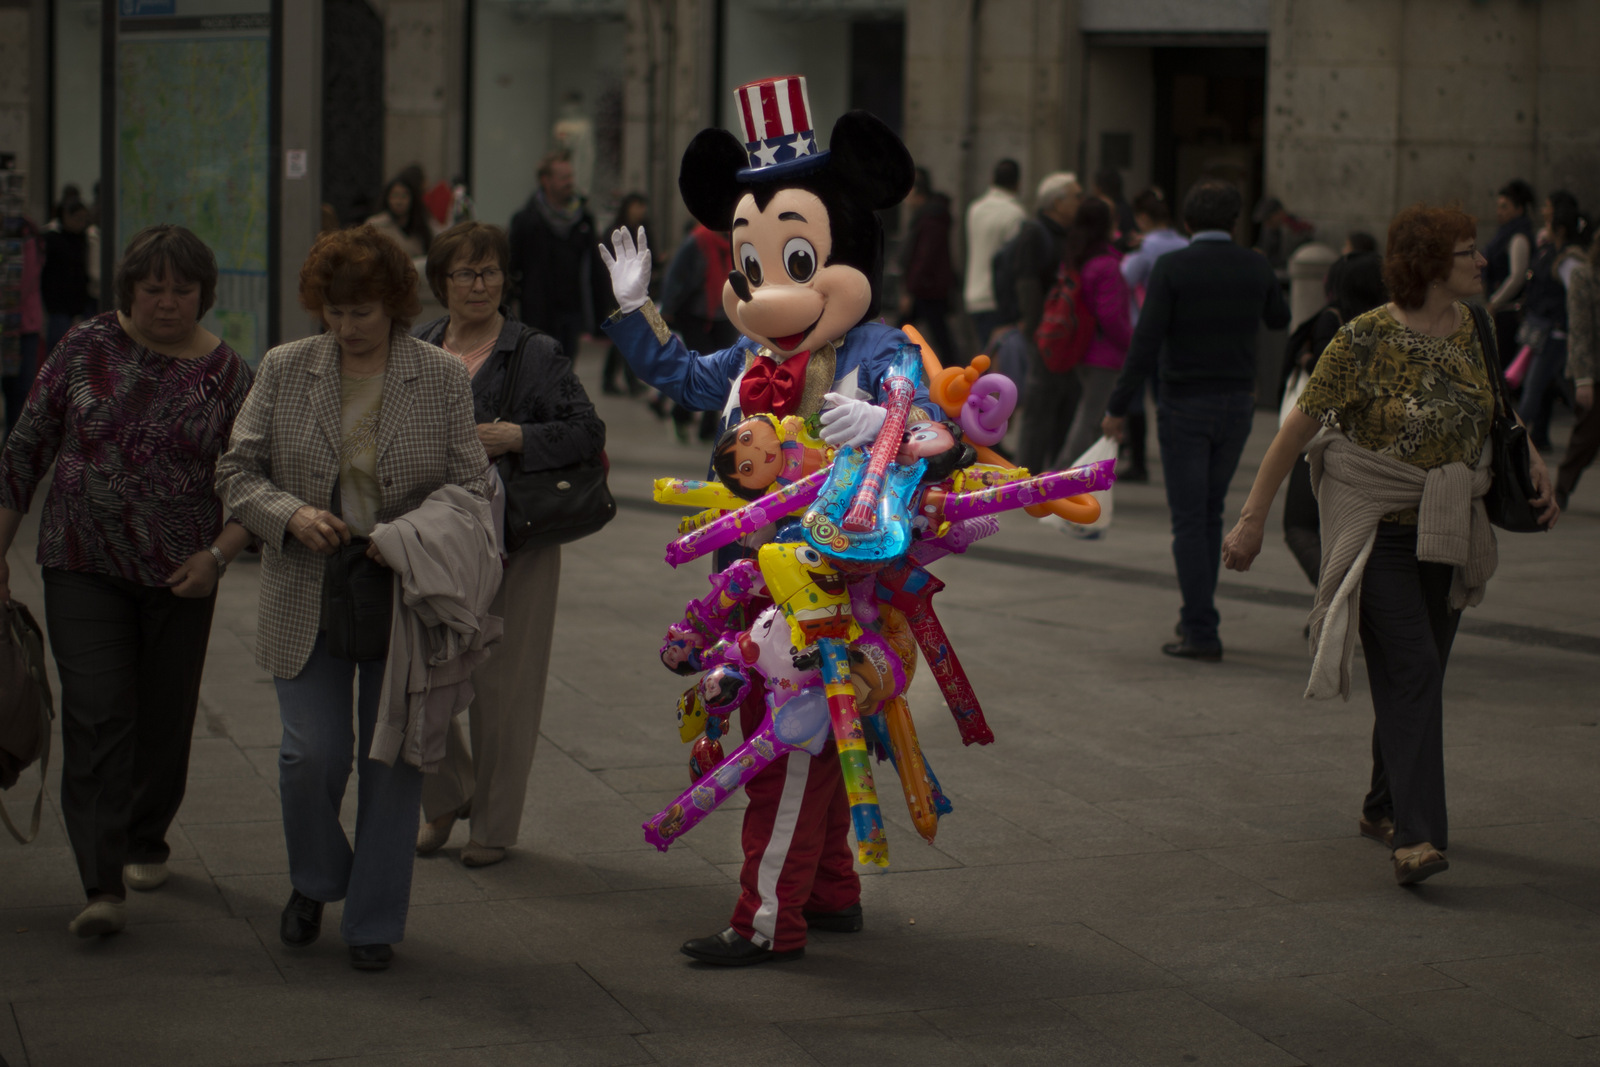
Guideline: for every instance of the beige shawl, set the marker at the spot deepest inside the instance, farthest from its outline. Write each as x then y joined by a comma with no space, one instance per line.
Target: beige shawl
1355,488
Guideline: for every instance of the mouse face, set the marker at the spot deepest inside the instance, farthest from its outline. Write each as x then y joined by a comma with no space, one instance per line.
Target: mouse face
785,293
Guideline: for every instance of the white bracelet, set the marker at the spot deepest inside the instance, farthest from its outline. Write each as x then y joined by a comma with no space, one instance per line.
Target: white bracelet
222,562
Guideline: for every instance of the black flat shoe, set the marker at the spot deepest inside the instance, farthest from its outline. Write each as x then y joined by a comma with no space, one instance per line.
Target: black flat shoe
847,921
729,949
371,957
1184,650
301,923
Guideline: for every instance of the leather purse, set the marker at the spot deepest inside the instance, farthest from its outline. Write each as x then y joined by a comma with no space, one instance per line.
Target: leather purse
550,507
26,708
357,604
1507,501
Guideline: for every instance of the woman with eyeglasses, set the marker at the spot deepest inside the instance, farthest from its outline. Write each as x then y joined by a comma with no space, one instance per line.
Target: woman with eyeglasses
549,423
1403,399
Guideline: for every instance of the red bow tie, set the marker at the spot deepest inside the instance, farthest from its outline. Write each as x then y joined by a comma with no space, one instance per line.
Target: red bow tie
770,387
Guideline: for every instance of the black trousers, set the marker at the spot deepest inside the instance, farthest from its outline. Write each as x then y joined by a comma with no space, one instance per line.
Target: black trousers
1581,451
130,658
1048,405
1302,521
1407,629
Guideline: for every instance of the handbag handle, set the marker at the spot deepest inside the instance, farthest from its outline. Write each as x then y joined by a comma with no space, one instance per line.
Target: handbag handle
513,377
1491,357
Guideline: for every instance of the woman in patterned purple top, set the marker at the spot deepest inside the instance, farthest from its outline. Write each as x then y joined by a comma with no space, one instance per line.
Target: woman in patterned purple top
133,408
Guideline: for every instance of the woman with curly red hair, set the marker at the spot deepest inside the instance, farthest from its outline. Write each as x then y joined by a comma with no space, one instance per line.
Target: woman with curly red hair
1400,406
343,431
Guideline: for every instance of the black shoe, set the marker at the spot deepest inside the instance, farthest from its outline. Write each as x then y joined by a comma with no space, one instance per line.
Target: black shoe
1184,650
729,949
847,921
1178,631
611,389
371,957
301,923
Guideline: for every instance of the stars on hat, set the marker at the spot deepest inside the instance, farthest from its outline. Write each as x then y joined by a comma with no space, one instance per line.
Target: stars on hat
767,153
801,145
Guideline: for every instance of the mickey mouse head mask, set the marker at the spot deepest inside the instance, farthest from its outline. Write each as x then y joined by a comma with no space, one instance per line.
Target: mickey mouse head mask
807,246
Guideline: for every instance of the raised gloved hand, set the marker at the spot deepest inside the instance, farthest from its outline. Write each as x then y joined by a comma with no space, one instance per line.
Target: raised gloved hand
848,421
630,269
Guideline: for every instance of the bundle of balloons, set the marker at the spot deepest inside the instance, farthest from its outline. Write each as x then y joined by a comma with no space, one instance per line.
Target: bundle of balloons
841,595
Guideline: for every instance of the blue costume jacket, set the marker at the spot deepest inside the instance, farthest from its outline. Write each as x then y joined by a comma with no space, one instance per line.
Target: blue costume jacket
710,382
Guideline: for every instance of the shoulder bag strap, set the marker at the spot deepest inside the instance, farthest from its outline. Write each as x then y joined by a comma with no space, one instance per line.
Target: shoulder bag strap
1491,356
44,755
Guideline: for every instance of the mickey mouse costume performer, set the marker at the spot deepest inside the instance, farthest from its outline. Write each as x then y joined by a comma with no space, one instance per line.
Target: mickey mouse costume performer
807,281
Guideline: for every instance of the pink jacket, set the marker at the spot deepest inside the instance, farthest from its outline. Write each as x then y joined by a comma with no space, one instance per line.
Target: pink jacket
1107,295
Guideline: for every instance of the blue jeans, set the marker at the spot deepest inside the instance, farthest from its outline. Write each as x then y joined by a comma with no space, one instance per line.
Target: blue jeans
1201,440
319,744
1547,372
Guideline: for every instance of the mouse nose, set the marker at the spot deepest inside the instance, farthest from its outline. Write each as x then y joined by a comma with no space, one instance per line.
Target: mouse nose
741,285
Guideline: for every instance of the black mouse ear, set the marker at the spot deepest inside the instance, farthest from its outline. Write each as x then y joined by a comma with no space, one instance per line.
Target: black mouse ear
708,178
871,160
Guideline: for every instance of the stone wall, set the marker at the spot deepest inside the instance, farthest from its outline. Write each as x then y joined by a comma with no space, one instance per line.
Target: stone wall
1376,104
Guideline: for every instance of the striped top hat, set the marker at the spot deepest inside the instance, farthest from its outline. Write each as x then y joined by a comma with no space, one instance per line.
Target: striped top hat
778,132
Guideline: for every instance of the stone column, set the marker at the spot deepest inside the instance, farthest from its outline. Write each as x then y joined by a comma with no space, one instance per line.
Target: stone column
666,100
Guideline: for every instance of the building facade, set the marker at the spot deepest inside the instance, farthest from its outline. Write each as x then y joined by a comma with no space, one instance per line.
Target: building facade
1345,109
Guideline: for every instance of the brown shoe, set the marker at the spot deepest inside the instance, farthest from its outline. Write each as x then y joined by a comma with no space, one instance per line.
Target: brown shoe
1414,863
1380,829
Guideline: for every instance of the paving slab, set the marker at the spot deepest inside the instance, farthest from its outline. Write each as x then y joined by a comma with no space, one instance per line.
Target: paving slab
1155,863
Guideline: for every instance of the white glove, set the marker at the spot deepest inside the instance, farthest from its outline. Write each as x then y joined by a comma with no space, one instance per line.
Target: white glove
848,421
630,269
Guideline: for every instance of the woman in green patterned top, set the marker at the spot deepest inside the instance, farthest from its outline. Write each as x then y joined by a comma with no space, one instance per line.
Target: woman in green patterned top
1407,381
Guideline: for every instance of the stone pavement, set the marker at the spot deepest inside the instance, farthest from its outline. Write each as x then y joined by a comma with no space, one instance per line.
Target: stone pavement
1156,862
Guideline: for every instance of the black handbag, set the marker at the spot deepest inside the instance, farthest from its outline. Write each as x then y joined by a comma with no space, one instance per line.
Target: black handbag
1507,501
357,604
550,507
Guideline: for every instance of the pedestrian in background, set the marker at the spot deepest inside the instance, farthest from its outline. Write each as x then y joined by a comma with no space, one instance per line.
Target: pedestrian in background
617,377
1281,233
992,220
691,303
926,274
1155,238
559,279
64,281
1583,366
551,423
18,368
132,409
1034,256
1556,256
1509,252
1202,313
404,218
1403,390
1091,255
1354,286
1124,227
343,431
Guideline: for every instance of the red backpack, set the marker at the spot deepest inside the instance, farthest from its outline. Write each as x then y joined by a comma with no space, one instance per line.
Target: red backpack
1067,325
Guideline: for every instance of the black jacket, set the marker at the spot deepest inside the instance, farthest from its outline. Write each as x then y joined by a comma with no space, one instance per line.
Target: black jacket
559,279
559,424
1203,310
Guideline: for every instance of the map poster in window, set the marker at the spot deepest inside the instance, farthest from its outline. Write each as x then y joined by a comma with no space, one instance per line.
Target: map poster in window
193,133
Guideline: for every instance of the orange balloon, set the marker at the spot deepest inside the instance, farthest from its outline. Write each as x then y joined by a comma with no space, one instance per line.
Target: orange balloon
948,387
912,768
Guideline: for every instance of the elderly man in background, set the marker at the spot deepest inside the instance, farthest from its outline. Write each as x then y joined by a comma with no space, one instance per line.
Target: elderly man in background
560,280
1051,398
992,220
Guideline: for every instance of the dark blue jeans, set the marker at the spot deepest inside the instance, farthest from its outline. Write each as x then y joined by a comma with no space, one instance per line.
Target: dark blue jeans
1201,440
1546,379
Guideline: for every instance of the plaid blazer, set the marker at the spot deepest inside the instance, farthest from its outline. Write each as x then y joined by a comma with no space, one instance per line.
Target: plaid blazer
284,454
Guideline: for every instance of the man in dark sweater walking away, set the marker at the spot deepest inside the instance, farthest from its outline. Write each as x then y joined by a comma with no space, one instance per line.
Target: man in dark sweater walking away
926,273
559,277
1203,308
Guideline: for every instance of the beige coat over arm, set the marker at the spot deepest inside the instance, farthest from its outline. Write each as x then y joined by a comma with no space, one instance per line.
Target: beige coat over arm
284,454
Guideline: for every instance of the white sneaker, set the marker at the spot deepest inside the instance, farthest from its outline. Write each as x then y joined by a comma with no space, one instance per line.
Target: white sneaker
100,918
144,876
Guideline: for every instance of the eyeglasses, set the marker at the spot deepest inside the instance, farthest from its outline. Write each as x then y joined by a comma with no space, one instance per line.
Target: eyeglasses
466,278
1466,251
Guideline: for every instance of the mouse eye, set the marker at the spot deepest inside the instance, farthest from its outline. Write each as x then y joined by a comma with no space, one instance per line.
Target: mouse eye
750,264
799,259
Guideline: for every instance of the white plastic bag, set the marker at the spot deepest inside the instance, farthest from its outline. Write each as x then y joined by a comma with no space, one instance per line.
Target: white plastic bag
1103,449
1291,393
